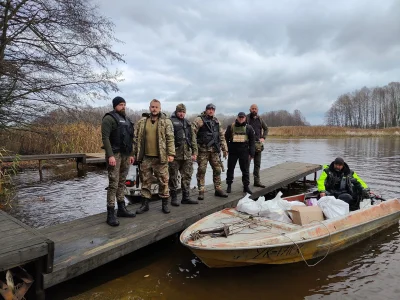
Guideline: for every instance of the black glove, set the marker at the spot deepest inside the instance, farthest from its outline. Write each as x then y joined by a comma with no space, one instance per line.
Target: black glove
366,193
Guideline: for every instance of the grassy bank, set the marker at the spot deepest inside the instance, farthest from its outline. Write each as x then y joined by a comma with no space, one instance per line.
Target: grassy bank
328,131
86,138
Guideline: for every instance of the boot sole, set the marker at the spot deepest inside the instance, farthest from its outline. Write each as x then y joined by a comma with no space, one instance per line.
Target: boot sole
113,225
131,216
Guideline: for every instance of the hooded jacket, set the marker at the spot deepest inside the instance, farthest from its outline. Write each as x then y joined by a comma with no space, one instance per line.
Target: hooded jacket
165,138
332,181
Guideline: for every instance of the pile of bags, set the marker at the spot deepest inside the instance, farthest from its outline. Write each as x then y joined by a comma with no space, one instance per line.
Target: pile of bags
278,209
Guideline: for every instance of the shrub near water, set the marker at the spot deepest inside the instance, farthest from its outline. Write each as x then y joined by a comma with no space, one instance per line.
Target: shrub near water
69,138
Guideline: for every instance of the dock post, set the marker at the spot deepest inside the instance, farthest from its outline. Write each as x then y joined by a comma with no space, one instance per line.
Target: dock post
40,170
39,290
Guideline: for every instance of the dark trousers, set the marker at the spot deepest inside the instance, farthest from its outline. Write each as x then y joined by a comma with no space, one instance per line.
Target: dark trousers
244,164
257,165
346,197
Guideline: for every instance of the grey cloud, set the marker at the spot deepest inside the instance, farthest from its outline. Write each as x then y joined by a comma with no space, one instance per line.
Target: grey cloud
279,54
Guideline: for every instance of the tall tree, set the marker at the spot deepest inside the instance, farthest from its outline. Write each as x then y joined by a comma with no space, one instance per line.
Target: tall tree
53,53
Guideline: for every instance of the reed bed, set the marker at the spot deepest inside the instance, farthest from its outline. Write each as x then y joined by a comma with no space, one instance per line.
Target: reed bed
86,138
71,138
330,131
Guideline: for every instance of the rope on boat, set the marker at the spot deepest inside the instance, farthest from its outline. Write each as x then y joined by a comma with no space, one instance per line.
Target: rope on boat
225,231
301,253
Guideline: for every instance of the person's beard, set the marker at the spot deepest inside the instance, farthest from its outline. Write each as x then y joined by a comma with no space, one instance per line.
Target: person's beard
253,114
122,112
154,113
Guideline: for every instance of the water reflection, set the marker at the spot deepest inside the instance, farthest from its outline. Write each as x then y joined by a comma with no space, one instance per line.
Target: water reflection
368,270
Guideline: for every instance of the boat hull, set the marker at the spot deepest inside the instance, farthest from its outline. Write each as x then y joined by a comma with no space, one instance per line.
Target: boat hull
340,237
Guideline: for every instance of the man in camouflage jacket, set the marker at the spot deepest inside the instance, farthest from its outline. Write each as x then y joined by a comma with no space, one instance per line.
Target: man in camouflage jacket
185,154
154,148
210,142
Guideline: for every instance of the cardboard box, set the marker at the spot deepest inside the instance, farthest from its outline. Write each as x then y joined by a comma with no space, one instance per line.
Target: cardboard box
302,215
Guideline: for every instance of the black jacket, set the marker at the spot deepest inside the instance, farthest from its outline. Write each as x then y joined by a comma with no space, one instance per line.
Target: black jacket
248,146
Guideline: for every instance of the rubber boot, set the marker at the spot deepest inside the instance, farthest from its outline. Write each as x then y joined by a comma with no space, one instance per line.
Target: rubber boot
258,184
164,206
174,198
201,195
111,219
186,199
220,193
144,207
229,188
247,190
123,212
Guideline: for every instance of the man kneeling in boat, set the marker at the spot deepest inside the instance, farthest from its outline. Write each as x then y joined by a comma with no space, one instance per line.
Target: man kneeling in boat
338,180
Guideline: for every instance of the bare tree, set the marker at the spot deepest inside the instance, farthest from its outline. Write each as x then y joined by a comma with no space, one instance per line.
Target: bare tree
53,53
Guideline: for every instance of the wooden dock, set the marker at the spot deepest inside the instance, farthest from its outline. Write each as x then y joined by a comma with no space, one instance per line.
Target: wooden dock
87,243
21,245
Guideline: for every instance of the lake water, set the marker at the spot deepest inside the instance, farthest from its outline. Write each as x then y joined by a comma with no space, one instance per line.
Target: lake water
167,270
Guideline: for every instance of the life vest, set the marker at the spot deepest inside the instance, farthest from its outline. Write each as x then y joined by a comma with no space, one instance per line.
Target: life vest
208,134
182,131
239,134
337,183
121,138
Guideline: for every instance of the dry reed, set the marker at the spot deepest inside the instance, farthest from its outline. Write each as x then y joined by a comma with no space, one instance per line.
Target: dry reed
86,138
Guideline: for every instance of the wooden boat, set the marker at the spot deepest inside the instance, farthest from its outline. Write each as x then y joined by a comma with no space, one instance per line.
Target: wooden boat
229,238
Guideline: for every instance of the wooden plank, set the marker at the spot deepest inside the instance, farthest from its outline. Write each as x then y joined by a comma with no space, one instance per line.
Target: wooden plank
22,244
285,174
43,157
22,256
88,243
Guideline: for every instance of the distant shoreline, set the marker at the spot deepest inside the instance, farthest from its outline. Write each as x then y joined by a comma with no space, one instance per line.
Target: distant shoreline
330,132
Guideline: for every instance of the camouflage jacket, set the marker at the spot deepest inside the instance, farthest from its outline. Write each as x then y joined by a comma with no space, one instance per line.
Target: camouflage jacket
185,151
165,138
198,123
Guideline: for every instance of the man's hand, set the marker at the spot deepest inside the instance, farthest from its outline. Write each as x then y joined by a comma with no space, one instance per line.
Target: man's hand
262,140
366,193
131,160
194,157
170,158
322,194
225,154
111,161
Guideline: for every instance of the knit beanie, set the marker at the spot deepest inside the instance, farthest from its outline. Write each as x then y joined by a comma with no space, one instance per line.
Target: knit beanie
117,100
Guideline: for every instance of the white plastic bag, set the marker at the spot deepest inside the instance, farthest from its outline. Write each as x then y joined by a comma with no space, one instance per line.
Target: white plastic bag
332,207
275,209
249,206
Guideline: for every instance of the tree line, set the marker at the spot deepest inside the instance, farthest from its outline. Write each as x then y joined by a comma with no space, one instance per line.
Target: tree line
94,115
377,108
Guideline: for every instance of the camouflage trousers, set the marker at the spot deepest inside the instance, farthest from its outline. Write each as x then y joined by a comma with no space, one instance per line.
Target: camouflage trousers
148,167
202,159
116,179
185,167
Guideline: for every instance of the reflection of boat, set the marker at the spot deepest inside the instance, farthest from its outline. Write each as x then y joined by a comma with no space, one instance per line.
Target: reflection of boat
229,238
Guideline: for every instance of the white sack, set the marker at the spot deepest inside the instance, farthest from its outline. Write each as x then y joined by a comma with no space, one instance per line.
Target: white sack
332,207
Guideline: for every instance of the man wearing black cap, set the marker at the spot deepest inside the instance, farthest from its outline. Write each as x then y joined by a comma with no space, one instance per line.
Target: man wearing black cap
117,137
210,142
338,180
240,138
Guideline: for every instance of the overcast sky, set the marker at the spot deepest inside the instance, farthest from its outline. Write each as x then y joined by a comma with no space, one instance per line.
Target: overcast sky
281,55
